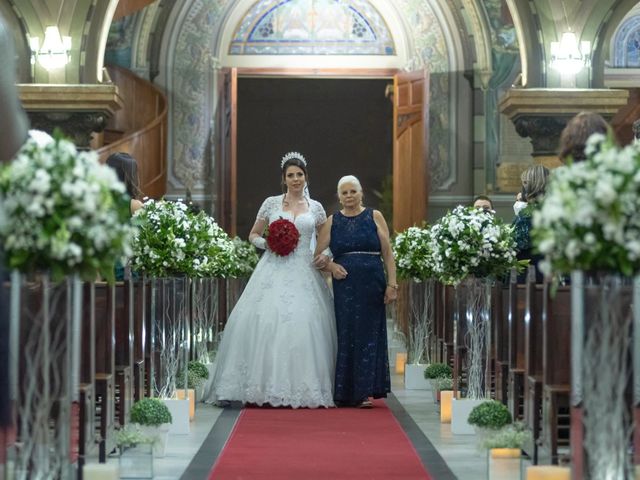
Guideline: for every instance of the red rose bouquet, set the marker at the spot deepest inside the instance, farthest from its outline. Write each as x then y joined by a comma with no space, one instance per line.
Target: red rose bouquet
283,237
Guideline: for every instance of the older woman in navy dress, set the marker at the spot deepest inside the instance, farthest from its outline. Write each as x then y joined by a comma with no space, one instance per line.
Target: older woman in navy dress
359,240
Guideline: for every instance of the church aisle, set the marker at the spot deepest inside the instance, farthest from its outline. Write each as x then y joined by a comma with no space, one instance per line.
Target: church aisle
447,457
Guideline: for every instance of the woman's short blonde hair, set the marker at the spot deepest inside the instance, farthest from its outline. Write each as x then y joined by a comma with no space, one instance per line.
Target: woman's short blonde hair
349,179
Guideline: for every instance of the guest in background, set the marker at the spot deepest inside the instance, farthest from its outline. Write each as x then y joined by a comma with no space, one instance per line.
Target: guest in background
483,202
574,136
126,168
359,240
534,184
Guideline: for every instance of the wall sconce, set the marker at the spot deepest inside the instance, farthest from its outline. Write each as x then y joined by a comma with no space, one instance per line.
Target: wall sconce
567,57
54,52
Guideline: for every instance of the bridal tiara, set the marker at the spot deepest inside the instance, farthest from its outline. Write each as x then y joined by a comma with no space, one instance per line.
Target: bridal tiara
292,155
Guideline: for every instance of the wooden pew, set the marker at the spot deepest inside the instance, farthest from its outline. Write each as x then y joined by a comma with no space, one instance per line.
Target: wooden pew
140,345
105,301
533,358
556,372
459,333
517,301
448,320
500,319
437,349
87,437
124,363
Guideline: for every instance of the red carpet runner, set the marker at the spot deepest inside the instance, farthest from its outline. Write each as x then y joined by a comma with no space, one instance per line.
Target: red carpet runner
319,444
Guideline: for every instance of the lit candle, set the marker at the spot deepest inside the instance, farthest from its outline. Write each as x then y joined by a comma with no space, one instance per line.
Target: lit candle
192,401
548,472
446,399
100,471
401,360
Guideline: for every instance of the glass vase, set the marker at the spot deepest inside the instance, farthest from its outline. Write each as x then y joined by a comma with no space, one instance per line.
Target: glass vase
421,321
473,333
136,461
205,331
45,333
170,324
601,349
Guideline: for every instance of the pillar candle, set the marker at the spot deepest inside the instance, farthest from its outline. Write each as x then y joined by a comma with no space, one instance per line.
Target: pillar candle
548,472
446,398
401,360
100,471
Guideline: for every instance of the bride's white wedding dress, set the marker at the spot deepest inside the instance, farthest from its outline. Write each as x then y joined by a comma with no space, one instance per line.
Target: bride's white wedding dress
279,344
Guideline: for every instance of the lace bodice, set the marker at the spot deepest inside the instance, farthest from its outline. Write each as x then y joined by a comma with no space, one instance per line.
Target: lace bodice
307,222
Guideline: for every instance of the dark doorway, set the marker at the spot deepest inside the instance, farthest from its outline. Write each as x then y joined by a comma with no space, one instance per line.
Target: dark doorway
341,126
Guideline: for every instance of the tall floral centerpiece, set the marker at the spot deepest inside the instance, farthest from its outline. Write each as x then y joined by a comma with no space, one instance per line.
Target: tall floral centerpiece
470,247
63,217
412,253
182,251
589,225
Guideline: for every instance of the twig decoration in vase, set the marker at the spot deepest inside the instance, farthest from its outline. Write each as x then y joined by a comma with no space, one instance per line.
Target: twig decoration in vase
413,259
473,246
588,225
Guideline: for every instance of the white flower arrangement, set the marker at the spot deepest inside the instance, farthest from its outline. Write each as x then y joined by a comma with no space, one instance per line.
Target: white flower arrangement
471,241
412,252
172,240
62,211
589,218
246,259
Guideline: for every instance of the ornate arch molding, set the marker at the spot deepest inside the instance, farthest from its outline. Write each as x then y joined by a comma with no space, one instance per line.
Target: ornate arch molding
482,37
386,9
609,24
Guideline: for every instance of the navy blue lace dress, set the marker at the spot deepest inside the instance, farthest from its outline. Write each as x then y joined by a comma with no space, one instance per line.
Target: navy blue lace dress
362,368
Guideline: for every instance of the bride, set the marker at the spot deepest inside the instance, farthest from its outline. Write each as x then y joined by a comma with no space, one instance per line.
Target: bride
279,344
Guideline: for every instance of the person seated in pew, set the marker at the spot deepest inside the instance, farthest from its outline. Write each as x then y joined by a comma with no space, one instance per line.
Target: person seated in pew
483,202
534,183
573,138
126,168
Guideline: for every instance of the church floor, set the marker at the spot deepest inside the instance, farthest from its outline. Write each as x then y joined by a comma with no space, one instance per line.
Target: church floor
447,456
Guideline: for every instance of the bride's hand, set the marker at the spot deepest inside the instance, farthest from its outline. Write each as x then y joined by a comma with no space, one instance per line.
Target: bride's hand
321,261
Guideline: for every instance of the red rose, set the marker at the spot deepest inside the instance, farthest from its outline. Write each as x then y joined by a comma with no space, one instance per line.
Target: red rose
283,237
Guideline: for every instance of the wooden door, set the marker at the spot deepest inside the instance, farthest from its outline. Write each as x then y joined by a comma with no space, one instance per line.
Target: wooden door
410,128
226,150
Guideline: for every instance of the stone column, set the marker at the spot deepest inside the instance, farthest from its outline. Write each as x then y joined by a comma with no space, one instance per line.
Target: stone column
78,111
541,114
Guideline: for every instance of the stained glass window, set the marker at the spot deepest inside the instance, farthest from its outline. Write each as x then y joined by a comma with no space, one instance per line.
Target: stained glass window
312,27
626,51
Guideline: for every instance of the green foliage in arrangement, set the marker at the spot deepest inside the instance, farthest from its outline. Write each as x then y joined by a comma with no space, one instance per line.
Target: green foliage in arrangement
131,435
246,259
471,241
514,435
412,252
173,240
150,411
63,211
589,218
193,379
491,415
199,369
438,370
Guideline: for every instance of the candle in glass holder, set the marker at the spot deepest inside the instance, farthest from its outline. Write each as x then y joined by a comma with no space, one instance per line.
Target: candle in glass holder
446,399
401,361
548,472
100,471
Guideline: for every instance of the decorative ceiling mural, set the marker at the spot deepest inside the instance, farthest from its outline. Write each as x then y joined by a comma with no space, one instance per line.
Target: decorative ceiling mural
312,27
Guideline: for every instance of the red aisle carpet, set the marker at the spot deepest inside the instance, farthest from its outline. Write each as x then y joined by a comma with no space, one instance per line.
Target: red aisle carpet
319,444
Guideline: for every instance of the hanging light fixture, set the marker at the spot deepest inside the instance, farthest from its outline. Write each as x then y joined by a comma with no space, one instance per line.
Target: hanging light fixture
54,52
567,57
